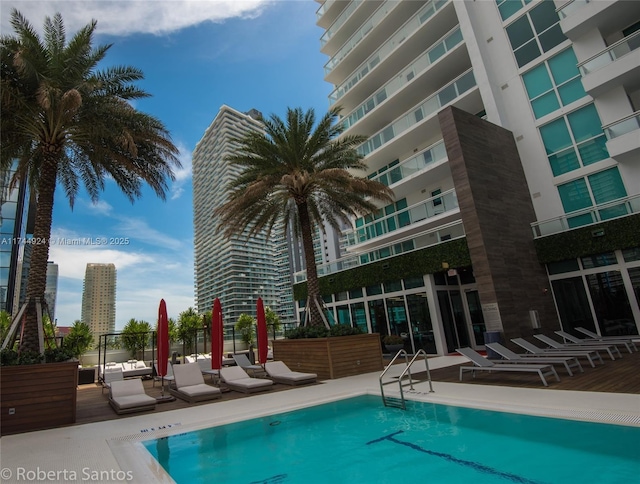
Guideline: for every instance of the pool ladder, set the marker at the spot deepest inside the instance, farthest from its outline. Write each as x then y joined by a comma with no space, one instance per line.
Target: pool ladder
400,402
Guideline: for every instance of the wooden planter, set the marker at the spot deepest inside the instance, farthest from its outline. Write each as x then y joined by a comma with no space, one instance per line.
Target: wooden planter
334,357
36,397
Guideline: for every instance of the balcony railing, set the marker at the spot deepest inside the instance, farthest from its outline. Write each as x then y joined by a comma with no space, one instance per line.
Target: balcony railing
412,25
568,8
436,152
444,233
429,208
324,7
589,216
344,15
623,126
610,54
414,70
429,107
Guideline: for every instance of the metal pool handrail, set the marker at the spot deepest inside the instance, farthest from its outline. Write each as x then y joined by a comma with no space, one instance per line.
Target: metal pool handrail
406,371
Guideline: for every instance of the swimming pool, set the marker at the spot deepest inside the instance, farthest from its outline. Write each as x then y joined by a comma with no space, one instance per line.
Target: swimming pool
359,440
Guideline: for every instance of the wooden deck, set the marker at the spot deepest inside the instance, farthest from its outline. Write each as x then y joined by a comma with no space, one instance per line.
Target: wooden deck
619,376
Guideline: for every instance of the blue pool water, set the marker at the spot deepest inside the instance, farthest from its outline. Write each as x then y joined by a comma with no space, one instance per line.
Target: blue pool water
360,441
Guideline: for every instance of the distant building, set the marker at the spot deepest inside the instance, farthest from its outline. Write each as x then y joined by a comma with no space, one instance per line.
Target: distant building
51,289
236,270
99,298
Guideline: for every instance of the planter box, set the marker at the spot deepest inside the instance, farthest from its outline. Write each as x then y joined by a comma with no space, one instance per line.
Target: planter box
333,357
36,397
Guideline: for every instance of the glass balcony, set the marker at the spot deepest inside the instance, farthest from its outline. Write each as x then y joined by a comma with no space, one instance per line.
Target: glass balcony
429,208
411,72
444,233
344,15
434,153
589,216
610,54
623,126
429,107
424,14
568,8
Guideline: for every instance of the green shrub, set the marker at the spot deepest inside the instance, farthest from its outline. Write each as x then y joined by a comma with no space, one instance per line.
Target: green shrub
307,332
56,355
393,339
344,330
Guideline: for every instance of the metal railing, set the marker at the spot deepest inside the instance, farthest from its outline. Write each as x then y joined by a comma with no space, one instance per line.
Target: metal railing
405,372
610,54
623,126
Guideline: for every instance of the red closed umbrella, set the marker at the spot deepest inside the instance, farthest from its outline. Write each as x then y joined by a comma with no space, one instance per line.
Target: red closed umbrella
163,347
217,338
263,338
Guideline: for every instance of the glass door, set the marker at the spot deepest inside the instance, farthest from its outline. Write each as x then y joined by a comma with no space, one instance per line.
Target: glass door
454,321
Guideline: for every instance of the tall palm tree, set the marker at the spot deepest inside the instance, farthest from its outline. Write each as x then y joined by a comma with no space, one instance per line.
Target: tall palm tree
301,175
66,122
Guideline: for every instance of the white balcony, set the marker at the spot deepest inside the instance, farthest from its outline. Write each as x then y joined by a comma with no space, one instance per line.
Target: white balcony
578,17
624,138
617,65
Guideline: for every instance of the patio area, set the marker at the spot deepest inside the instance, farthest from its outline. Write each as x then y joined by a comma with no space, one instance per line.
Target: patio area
105,444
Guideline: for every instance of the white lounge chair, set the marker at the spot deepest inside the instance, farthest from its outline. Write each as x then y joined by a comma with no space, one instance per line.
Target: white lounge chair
581,341
237,379
126,396
190,385
243,362
623,337
279,372
589,354
512,357
553,344
111,374
135,368
482,364
168,377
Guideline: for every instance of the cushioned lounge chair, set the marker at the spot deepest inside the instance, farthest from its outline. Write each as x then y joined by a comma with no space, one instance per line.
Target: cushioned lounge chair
581,341
512,357
237,379
622,337
279,372
556,345
168,377
111,374
590,355
190,385
127,396
243,362
482,364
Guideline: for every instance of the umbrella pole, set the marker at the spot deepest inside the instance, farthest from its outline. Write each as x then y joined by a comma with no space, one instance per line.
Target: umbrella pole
164,398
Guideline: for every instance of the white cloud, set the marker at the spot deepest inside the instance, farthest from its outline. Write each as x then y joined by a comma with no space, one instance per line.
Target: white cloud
183,175
125,17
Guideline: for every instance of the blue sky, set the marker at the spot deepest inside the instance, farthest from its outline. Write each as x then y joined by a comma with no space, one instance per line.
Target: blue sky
196,56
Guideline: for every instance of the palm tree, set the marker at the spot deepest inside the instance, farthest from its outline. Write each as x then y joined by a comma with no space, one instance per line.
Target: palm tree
64,121
295,173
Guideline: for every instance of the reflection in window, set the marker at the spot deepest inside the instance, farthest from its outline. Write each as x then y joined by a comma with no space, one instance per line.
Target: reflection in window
573,305
611,303
359,317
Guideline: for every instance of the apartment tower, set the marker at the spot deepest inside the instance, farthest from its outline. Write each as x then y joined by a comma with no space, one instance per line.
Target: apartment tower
99,299
509,132
239,269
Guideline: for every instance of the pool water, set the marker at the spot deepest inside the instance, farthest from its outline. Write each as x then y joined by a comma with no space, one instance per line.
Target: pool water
358,440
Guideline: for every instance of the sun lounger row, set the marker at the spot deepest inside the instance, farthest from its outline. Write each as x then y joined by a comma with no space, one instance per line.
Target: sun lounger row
131,368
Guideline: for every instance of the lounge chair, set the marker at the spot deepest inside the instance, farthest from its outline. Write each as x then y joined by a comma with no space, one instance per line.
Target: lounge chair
243,362
622,337
512,357
237,379
111,374
482,364
205,368
279,372
553,344
126,396
168,377
190,385
589,354
581,341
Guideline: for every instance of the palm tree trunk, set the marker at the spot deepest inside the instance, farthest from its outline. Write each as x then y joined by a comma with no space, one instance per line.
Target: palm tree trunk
313,286
37,280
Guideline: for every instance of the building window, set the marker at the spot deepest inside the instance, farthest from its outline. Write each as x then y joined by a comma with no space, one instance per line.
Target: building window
536,32
596,189
508,7
554,83
574,140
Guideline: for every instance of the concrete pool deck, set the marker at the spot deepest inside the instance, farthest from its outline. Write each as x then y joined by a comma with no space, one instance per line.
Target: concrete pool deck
109,451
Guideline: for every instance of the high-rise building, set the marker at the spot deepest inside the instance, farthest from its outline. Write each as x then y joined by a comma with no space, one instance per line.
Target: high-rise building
51,289
99,299
16,226
509,132
240,269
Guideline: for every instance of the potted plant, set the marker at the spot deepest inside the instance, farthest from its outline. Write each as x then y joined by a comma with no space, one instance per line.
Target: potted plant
393,343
